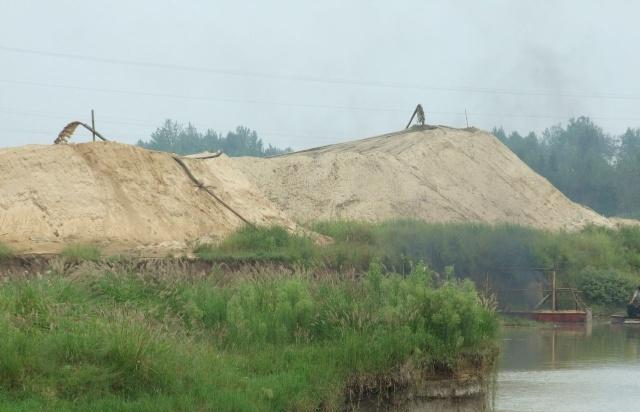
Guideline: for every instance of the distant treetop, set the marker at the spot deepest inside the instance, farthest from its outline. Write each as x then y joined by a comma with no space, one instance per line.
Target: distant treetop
586,164
176,138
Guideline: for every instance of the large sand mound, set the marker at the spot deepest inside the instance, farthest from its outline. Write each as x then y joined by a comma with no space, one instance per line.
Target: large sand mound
437,174
122,197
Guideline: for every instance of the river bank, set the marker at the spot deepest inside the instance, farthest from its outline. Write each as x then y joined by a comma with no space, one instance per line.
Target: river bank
509,261
104,335
267,320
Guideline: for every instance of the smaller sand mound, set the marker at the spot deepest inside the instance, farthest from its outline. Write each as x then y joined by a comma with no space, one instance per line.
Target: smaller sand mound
622,222
436,174
121,197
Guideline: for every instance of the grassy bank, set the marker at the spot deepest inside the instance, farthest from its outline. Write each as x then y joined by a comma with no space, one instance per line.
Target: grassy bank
604,263
101,341
80,252
5,251
97,340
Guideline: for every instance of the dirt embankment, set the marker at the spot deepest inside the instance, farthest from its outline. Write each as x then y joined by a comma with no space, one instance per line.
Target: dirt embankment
121,197
437,174
128,199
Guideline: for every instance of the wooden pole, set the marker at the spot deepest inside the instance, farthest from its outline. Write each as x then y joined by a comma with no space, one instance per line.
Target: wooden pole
93,125
553,290
553,348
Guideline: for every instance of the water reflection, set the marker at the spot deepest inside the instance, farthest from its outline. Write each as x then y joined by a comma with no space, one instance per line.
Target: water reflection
569,369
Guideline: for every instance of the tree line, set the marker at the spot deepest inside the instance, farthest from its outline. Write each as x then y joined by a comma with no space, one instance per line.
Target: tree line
589,166
176,138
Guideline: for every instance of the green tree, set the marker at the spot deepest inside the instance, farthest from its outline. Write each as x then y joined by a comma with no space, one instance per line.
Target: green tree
175,138
628,173
164,138
583,162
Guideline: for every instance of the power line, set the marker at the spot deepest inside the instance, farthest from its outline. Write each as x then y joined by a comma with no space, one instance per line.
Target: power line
69,116
38,111
263,133
303,105
271,134
66,117
200,98
37,133
318,79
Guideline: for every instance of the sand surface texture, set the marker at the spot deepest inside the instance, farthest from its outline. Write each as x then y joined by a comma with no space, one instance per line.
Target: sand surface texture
121,197
436,174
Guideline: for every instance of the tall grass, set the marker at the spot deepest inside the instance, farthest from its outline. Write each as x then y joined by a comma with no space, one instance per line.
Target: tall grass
130,342
81,252
263,243
604,263
5,251
507,256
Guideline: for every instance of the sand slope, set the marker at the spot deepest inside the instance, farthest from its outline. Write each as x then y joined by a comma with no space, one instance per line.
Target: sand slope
122,197
437,174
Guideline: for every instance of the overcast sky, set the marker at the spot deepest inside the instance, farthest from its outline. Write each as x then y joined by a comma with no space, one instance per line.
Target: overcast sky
308,73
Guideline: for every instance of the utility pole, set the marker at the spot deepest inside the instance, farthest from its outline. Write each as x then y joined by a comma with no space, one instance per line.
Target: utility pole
93,125
466,117
553,290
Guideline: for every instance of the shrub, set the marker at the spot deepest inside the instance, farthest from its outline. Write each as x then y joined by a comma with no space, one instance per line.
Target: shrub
261,243
508,256
133,342
630,240
607,287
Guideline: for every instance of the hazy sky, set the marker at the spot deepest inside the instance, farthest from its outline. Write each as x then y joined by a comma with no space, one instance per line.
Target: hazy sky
308,73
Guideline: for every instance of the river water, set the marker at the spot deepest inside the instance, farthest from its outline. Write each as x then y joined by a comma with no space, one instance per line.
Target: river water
581,369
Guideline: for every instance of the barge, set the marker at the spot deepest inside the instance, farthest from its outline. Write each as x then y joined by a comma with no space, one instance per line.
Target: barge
554,316
578,314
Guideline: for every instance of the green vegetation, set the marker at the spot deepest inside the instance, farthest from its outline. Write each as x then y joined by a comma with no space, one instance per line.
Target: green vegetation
272,244
587,165
506,256
608,288
356,312
81,252
5,251
129,342
175,138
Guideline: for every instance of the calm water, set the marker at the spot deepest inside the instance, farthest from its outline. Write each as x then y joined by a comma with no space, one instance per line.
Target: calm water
579,369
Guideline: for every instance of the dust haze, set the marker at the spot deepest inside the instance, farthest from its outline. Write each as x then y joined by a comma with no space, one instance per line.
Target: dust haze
305,74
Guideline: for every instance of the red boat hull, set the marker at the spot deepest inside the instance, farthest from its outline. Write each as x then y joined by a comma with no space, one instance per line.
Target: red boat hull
557,316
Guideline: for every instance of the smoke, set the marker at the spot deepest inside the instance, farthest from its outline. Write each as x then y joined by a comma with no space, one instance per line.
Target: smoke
532,89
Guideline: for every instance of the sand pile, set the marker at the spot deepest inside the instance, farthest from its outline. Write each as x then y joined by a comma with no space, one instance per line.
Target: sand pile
121,197
437,174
